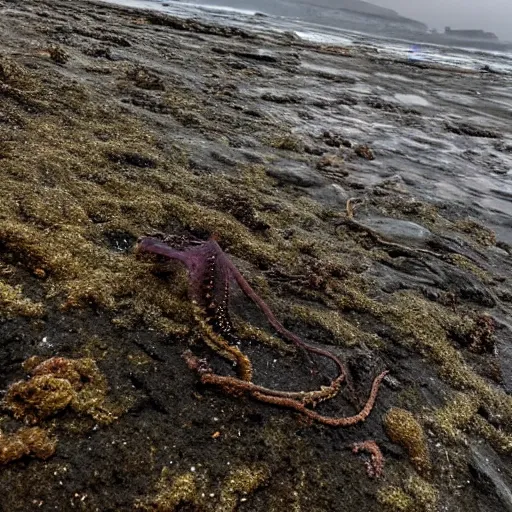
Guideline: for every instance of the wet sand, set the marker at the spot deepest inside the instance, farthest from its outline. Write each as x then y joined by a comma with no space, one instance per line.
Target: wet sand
365,198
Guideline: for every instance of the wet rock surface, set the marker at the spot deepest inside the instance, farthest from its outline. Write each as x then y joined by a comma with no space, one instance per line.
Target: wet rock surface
504,349
398,230
291,173
118,123
489,473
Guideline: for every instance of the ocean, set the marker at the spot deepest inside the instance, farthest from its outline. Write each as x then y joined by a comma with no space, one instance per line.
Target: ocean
473,172
470,58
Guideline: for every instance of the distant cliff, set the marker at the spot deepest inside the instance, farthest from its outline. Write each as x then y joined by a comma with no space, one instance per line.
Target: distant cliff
354,14
349,14
354,5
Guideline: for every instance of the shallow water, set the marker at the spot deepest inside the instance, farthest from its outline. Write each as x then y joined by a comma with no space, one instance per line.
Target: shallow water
473,172
463,57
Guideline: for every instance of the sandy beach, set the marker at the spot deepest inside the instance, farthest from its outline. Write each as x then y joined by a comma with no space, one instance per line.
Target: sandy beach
365,197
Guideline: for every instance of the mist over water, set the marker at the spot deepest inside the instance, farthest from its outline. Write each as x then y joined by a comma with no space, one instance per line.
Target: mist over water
490,15
493,15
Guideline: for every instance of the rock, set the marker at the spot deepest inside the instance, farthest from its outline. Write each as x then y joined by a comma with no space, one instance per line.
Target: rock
252,157
412,99
261,56
332,195
505,192
416,273
254,113
346,99
335,140
295,173
313,150
58,54
329,161
488,69
134,159
290,36
504,350
398,230
471,131
490,472
393,183
336,50
146,79
387,106
505,146
236,64
194,25
223,159
99,52
364,151
281,98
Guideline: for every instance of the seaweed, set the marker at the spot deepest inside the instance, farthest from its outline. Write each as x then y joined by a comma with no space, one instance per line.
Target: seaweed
26,441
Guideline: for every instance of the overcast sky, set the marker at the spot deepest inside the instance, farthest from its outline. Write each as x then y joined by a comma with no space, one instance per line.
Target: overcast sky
493,15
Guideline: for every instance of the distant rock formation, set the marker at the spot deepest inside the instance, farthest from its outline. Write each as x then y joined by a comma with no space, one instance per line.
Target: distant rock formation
349,14
367,8
355,14
354,5
471,34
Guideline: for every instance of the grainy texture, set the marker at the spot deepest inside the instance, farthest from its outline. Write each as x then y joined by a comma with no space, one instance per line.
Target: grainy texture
117,124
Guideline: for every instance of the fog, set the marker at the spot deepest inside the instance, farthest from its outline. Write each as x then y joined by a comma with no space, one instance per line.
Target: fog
492,15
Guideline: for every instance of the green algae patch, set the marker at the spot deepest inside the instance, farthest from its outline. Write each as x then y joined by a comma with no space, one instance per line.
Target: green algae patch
70,192
403,429
424,494
478,232
466,264
343,332
286,141
14,303
394,499
173,492
427,327
456,416
461,417
38,398
416,495
193,489
56,384
477,334
32,441
239,484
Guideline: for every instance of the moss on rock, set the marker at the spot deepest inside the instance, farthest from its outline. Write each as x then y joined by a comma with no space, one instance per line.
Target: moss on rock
404,429
395,499
416,495
56,384
14,303
26,441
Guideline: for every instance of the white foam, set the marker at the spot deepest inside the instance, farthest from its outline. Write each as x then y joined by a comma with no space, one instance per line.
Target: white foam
412,99
220,8
317,37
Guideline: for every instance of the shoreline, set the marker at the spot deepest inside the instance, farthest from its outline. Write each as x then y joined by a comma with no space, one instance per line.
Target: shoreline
408,36
364,198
